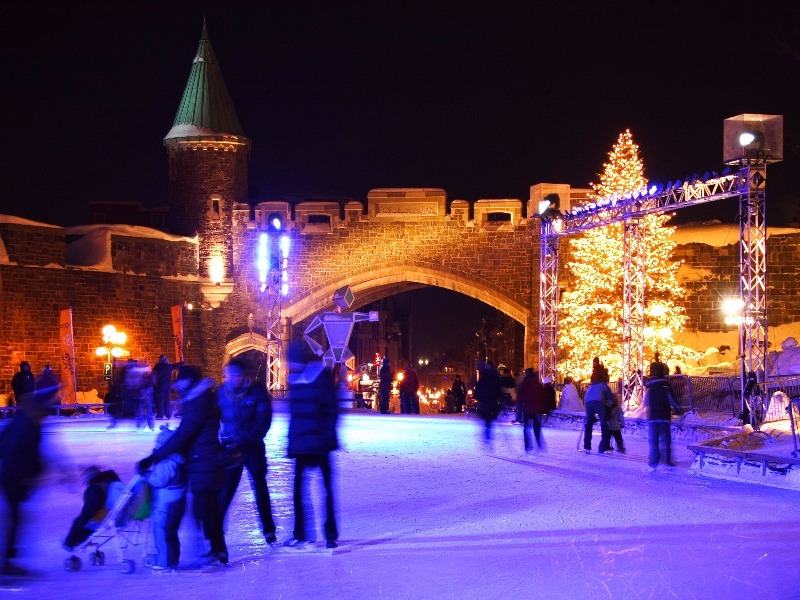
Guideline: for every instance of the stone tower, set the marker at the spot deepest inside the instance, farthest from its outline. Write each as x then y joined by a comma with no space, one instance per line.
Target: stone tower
208,154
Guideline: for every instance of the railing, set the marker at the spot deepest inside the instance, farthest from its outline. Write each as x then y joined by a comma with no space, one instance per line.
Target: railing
794,419
722,394
776,407
694,393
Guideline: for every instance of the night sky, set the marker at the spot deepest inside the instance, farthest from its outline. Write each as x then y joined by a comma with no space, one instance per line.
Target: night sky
482,99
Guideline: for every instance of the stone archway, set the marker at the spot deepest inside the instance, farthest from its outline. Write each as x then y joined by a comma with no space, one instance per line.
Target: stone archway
250,347
369,286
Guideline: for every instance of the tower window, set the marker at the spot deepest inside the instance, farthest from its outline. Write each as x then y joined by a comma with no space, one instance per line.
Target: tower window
215,208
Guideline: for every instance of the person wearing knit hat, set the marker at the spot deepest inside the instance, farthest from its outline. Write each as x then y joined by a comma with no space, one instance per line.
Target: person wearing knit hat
101,490
162,382
245,417
168,480
660,405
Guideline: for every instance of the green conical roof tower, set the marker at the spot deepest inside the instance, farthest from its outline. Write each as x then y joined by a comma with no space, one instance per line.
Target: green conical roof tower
206,110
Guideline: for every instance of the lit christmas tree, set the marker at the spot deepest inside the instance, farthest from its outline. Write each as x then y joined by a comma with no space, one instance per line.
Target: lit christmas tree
590,314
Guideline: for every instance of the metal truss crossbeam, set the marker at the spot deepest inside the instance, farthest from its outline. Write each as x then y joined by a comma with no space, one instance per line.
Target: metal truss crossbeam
633,304
680,195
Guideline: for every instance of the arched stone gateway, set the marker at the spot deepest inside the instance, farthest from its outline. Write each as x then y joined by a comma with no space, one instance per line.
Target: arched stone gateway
244,343
373,285
376,284
250,348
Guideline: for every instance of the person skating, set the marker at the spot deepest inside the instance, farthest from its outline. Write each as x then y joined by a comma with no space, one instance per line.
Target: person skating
197,439
314,411
168,481
162,385
532,397
246,416
660,404
597,398
21,464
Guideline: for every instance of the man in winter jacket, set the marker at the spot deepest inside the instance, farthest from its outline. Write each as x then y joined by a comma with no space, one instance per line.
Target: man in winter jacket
197,439
162,383
246,416
487,393
23,382
660,404
314,410
386,376
408,387
533,398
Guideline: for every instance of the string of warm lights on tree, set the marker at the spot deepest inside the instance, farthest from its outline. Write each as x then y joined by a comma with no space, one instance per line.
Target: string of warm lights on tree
590,313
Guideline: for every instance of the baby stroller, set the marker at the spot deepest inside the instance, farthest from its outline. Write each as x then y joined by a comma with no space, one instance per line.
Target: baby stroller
123,521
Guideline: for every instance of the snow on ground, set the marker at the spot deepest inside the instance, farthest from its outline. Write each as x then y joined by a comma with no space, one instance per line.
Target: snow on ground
427,511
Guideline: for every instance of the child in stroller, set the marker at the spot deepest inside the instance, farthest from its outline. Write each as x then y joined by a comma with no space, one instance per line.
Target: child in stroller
98,497
112,511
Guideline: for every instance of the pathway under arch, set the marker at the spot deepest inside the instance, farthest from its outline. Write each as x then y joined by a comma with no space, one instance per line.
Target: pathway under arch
373,285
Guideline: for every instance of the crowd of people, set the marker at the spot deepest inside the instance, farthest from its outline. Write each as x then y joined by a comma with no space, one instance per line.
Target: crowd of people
222,430
534,398
220,434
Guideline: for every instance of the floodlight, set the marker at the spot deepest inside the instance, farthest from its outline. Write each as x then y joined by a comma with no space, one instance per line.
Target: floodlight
749,137
551,202
276,222
746,138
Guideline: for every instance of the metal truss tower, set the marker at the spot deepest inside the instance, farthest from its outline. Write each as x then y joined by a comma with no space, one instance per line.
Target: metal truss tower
272,264
548,300
747,184
753,264
272,355
633,304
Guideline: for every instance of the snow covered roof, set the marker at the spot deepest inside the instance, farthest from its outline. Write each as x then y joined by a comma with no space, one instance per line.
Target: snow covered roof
93,248
11,219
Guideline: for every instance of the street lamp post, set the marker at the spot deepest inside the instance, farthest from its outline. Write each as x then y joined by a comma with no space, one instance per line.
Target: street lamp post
113,342
734,309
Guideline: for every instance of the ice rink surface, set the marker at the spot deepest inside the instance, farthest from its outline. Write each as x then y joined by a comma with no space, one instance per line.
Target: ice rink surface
427,510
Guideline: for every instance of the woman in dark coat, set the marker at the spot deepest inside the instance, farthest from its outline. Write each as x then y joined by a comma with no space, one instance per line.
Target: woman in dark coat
386,375
197,439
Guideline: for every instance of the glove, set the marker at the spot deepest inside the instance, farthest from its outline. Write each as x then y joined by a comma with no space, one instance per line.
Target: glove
144,465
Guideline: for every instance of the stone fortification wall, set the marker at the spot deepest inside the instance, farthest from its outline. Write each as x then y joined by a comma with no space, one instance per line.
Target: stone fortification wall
33,244
147,276
711,272
493,260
